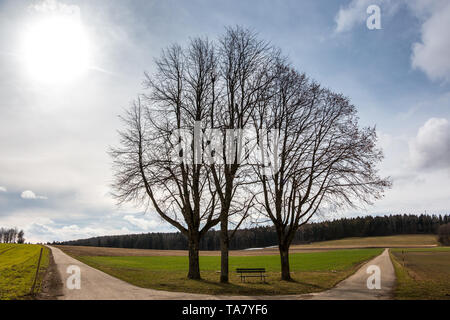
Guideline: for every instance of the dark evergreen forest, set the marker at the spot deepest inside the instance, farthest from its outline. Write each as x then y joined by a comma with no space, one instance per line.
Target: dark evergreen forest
265,236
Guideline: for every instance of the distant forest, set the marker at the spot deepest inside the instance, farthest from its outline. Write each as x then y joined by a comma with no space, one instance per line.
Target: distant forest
11,235
265,236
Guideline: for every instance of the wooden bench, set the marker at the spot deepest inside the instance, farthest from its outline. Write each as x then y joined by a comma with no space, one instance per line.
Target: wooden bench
252,272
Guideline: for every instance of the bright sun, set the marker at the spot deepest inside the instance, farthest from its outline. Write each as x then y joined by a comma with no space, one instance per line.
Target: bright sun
55,49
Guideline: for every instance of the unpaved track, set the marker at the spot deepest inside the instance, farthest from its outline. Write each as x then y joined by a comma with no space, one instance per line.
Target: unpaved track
355,286
97,285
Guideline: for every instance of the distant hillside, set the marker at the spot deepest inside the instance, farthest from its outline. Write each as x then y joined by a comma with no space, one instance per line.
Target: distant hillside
267,236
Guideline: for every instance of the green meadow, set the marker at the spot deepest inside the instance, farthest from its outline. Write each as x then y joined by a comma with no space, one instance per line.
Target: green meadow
312,271
18,263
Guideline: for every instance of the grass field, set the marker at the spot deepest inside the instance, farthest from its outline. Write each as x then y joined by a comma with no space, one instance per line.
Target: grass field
347,243
404,240
422,273
18,263
312,271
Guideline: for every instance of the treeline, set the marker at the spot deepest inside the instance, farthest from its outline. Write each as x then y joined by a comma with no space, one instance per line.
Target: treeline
11,235
266,236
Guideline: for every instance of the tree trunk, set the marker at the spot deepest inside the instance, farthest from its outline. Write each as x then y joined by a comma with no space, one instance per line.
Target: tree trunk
194,264
224,243
285,269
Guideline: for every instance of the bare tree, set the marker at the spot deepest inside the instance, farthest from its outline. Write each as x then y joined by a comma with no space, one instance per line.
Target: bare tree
245,74
314,156
195,89
20,238
147,169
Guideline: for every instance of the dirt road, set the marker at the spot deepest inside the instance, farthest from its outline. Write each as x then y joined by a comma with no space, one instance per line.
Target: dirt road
355,287
95,285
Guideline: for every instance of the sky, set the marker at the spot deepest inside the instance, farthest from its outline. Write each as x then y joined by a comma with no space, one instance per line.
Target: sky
56,124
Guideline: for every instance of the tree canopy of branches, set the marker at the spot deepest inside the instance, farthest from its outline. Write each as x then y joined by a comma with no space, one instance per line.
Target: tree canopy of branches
316,155
205,85
245,74
146,168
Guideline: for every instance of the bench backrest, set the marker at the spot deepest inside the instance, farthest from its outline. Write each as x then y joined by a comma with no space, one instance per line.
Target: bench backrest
250,270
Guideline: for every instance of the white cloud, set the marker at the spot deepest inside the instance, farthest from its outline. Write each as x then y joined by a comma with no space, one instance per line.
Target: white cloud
351,15
59,224
28,194
432,53
52,6
3,189
430,149
141,223
356,13
39,231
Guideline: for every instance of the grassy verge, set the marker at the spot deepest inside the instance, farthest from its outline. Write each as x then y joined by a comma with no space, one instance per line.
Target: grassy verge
384,241
312,272
18,263
422,273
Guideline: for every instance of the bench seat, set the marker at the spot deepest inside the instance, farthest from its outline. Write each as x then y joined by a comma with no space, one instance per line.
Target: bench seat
251,273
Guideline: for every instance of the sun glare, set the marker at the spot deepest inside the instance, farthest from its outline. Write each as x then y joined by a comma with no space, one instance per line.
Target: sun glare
55,49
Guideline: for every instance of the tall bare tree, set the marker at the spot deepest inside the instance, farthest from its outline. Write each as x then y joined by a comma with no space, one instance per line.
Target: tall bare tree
245,75
155,163
20,238
314,156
